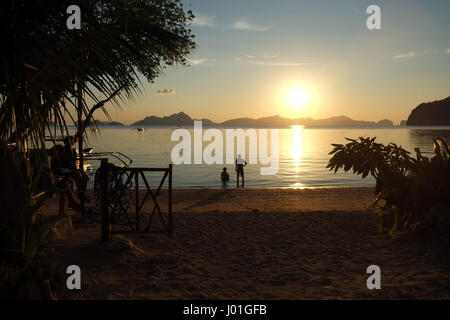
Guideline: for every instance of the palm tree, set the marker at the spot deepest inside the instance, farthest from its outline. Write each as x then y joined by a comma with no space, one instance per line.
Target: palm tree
50,75
43,62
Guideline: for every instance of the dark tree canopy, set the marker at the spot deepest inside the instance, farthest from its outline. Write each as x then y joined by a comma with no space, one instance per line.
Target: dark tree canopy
48,71
42,60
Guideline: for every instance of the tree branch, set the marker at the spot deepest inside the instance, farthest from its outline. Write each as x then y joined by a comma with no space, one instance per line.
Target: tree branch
97,106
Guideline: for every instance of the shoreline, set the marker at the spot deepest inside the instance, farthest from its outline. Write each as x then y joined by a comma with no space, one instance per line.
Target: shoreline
254,244
132,126
266,187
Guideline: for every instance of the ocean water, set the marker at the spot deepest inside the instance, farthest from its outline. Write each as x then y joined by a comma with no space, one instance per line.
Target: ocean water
303,154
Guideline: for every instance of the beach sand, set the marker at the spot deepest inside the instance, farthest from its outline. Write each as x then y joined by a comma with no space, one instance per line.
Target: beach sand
254,243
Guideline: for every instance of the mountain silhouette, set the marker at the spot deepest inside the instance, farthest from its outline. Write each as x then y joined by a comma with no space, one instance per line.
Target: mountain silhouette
436,113
179,118
385,123
276,121
108,123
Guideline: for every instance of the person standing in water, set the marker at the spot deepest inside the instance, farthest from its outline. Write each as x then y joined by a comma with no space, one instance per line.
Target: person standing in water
224,177
240,164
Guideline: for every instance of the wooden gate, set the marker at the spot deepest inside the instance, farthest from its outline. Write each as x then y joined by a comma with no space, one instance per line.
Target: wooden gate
134,175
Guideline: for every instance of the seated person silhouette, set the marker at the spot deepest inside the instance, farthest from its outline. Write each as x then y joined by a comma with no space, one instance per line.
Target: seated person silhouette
64,164
240,164
61,162
224,177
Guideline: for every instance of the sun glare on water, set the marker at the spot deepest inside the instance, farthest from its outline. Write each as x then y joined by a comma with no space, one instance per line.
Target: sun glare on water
297,97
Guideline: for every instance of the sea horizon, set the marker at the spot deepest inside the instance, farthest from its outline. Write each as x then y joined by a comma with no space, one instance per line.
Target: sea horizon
303,154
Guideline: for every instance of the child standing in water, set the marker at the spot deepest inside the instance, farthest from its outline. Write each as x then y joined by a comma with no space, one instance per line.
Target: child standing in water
224,177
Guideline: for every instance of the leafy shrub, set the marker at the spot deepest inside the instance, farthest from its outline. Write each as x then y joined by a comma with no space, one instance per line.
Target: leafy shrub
415,191
21,233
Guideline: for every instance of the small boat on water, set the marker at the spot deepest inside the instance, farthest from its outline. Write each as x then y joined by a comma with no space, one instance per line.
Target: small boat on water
140,129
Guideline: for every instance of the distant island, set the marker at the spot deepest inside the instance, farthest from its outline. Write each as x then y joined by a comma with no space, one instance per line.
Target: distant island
99,123
183,119
436,113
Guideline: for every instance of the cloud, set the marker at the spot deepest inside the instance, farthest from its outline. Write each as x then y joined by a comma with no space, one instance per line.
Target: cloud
204,61
267,61
204,21
262,56
408,55
269,56
165,92
244,25
283,64
447,51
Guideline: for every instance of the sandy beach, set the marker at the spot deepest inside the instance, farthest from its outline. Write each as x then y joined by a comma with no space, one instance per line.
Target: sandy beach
254,243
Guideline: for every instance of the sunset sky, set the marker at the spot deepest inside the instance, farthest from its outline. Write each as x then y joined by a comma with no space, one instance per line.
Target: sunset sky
252,53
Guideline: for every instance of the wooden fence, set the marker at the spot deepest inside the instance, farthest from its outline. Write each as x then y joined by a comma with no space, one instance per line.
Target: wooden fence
136,174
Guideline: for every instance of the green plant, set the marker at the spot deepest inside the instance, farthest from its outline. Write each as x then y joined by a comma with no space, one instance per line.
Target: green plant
414,191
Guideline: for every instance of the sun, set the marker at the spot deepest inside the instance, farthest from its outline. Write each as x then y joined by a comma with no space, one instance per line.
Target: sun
297,97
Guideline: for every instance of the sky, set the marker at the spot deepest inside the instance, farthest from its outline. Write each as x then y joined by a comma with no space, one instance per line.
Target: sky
252,53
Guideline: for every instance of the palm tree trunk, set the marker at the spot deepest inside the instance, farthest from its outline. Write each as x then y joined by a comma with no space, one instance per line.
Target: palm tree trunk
80,138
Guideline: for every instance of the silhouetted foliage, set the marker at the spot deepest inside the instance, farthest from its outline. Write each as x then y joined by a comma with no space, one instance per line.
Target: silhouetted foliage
42,63
416,191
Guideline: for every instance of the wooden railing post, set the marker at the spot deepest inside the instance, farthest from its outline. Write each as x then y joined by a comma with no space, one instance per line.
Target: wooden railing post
170,200
62,204
106,226
136,177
